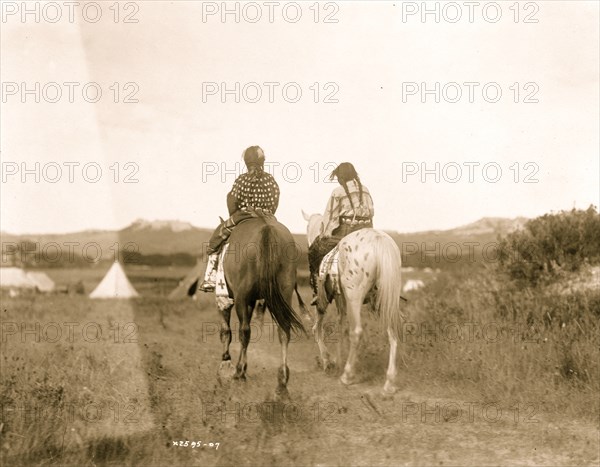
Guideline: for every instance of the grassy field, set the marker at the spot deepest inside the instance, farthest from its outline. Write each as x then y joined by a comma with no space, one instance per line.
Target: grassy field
485,378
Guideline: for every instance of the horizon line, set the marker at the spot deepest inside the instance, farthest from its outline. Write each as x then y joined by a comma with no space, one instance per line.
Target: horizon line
2,232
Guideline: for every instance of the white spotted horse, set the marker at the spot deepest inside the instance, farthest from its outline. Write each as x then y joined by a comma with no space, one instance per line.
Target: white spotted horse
266,271
369,268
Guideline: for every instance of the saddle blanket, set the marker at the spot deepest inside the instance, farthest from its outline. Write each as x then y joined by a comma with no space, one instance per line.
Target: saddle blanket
221,286
221,289
329,267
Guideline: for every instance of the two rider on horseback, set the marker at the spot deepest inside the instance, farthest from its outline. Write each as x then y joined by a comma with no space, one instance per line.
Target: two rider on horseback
350,208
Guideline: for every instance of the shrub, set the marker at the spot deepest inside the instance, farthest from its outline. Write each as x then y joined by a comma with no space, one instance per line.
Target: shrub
551,244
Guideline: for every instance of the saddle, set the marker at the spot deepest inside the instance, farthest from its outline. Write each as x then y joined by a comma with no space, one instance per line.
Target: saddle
241,215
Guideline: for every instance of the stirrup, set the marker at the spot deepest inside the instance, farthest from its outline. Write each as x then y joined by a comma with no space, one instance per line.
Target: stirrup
207,286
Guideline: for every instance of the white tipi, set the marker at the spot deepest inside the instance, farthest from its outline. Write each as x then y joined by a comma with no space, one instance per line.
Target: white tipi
114,285
15,279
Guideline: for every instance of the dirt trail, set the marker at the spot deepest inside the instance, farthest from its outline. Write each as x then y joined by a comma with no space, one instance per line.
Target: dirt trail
326,423
369,428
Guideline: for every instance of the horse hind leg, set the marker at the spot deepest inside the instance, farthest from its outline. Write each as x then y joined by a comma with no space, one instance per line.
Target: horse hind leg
354,308
244,312
226,332
389,386
226,370
340,302
320,338
283,375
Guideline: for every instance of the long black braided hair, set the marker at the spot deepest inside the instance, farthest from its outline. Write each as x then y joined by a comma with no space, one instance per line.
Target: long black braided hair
344,173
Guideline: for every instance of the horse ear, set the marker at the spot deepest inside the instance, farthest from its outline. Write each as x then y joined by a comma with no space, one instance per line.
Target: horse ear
306,216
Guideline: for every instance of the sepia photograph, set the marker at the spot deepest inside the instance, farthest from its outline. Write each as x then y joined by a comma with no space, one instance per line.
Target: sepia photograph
299,233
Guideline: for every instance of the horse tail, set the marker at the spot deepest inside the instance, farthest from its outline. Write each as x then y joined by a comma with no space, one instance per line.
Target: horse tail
388,298
269,267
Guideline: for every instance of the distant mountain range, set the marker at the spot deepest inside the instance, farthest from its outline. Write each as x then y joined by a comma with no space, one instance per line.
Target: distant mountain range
172,237
487,229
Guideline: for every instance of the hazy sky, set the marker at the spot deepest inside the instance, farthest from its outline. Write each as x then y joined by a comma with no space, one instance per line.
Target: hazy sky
180,136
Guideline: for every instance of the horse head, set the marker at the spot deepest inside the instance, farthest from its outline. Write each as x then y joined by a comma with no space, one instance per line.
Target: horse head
314,227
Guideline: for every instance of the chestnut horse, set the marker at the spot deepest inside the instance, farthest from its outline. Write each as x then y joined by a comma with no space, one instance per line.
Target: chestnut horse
260,264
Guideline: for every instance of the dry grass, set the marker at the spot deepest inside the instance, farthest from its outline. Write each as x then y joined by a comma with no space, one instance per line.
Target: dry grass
162,387
485,337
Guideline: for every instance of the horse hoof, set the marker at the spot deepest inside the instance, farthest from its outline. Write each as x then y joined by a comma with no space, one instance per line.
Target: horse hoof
282,394
325,364
329,367
226,369
389,388
240,376
319,362
348,380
